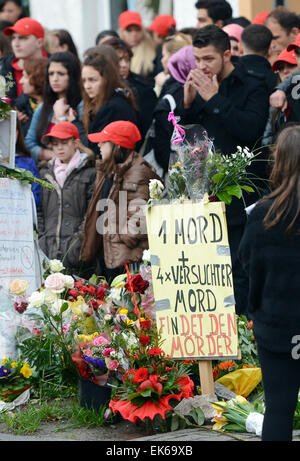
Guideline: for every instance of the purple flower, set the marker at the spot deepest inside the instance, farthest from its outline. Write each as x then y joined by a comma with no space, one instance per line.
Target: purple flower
4,372
99,363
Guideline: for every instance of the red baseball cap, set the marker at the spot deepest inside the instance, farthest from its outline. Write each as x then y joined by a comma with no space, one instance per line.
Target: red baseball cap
25,27
260,18
162,24
121,133
130,18
285,56
295,44
62,130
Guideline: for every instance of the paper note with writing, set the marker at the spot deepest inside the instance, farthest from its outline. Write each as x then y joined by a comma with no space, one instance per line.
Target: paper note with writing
17,258
192,280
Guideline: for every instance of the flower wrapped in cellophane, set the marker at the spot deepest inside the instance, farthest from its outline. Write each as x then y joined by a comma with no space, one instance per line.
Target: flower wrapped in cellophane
238,415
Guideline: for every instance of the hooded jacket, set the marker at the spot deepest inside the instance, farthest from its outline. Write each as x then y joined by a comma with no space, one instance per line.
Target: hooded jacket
120,242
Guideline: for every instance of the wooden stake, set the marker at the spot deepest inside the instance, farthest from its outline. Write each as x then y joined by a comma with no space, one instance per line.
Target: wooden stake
206,377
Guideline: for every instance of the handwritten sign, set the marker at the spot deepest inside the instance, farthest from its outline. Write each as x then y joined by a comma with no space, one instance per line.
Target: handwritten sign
17,252
192,280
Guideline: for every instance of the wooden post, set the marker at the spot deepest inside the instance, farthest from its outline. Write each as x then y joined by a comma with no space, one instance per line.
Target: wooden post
206,377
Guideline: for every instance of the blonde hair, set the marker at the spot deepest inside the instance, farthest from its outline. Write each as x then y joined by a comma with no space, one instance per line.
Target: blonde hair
144,54
176,42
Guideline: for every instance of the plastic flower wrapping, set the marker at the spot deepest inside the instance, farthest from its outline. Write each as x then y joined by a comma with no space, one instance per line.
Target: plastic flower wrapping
15,378
238,415
197,171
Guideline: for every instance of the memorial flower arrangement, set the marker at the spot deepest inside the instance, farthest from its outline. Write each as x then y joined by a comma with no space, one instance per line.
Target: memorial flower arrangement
15,378
238,415
152,381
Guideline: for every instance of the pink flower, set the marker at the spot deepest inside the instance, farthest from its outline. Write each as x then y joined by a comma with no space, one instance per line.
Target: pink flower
88,353
107,352
113,365
102,341
55,282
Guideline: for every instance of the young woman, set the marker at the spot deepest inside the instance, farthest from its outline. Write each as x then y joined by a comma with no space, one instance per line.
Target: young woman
141,43
23,160
170,46
62,211
119,235
61,102
270,254
106,98
11,10
34,76
61,40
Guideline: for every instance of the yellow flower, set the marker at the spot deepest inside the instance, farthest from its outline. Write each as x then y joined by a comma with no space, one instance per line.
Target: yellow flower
26,371
4,361
241,400
218,426
123,311
129,322
14,365
19,287
217,407
87,338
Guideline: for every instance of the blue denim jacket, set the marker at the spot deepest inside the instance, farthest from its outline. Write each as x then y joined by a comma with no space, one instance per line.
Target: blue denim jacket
31,139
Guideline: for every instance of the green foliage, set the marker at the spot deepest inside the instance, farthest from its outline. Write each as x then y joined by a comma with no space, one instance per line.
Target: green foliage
247,343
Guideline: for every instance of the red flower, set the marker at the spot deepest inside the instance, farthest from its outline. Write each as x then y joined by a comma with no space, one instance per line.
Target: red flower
73,293
139,285
144,340
140,375
155,352
146,324
100,293
151,382
78,285
94,304
187,387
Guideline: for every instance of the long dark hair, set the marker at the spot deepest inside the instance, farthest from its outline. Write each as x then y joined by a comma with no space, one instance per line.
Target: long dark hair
73,93
65,38
110,73
285,179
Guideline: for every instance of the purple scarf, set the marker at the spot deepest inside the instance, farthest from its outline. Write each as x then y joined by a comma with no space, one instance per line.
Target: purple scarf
181,63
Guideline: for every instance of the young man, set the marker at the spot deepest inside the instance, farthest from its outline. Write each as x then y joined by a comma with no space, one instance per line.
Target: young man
232,106
256,42
285,26
213,12
27,39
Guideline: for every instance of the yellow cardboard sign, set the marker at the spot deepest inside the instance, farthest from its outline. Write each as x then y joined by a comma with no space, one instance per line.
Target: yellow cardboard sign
192,280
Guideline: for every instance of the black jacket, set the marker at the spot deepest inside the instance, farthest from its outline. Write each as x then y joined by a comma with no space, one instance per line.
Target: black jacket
236,116
161,142
117,108
260,67
22,103
146,100
271,259
6,69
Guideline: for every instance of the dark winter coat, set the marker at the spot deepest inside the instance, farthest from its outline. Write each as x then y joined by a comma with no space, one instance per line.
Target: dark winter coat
62,212
117,108
22,104
260,67
5,70
271,259
236,116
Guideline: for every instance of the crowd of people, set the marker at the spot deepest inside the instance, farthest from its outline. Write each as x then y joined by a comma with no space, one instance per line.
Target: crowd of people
98,126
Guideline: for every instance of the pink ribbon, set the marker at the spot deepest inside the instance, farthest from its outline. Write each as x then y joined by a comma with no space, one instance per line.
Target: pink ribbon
179,131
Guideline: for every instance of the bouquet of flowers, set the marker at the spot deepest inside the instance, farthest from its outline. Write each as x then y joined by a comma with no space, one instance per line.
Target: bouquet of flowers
15,378
238,415
151,382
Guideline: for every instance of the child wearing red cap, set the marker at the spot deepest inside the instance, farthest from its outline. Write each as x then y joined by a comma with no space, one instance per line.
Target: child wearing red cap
115,229
62,211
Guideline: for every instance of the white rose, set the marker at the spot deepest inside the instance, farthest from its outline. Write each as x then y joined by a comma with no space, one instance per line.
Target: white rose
156,188
50,298
2,87
56,306
36,299
147,255
69,282
55,282
56,265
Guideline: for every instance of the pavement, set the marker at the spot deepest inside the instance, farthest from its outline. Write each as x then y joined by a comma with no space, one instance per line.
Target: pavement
128,433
